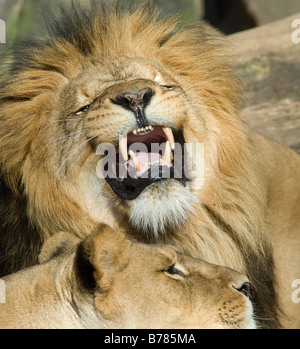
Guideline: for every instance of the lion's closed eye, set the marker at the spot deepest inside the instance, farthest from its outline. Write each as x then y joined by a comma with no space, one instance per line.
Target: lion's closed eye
176,272
83,109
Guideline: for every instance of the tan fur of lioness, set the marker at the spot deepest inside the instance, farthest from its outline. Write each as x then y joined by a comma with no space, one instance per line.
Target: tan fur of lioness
250,197
108,282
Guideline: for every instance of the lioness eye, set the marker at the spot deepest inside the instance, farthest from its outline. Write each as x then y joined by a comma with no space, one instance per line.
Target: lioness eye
169,87
175,271
83,109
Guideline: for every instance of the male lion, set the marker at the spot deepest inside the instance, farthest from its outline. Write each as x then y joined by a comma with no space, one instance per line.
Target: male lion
122,77
98,283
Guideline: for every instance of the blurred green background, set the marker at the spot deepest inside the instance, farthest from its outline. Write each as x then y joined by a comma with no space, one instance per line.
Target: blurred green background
24,20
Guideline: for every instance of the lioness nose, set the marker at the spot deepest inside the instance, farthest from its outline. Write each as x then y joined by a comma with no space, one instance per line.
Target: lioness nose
245,288
136,102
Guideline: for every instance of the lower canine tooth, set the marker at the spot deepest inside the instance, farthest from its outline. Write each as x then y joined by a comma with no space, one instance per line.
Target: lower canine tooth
135,161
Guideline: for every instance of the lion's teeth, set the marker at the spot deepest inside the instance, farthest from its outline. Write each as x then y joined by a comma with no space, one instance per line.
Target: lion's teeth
169,134
168,156
142,129
123,148
135,161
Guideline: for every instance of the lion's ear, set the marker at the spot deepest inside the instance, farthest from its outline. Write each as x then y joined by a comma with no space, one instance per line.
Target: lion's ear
99,257
57,245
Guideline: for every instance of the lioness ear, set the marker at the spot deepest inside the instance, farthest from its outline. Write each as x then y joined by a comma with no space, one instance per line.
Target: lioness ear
99,257
57,245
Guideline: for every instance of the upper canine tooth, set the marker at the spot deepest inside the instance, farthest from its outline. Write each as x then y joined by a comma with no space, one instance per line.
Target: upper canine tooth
123,148
135,161
168,156
134,132
169,134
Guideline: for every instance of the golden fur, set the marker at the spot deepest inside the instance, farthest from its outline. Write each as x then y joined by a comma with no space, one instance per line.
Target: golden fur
48,151
98,283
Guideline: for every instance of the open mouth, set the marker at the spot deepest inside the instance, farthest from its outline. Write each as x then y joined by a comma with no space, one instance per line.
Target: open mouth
145,156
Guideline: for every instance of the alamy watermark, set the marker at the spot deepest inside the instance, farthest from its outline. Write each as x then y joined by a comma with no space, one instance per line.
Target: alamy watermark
181,161
2,292
296,293
296,33
2,32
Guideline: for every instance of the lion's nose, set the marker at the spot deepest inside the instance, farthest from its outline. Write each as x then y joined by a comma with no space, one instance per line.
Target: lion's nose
136,102
245,288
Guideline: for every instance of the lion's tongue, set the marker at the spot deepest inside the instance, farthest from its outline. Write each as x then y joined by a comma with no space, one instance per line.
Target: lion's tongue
141,162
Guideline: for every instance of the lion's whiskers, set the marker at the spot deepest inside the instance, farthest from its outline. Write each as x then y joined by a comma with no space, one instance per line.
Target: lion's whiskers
63,138
67,140
73,152
255,317
239,323
228,324
234,323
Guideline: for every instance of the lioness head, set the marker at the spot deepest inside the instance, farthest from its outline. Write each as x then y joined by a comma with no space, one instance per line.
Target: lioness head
124,80
117,283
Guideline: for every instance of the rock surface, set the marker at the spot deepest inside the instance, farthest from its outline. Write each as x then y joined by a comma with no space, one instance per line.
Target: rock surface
268,63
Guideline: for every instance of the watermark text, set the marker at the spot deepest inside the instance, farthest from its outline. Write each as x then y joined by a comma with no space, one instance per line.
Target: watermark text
296,293
2,292
161,161
296,33
2,32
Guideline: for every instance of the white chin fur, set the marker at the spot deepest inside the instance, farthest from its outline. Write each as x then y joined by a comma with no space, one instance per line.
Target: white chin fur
162,204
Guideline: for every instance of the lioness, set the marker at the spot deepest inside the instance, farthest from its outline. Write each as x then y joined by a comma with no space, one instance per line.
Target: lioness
106,281
107,76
